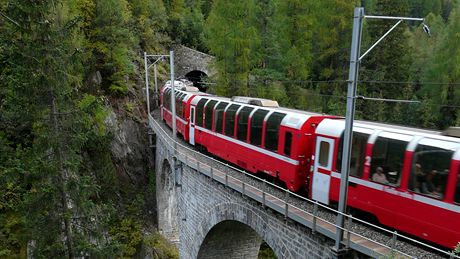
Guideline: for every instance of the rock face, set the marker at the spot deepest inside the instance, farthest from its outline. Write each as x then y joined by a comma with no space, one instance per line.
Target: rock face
134,160
130,149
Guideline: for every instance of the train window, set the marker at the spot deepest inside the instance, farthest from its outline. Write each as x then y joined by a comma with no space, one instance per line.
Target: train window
272,131
242,125
457,189
387,160
358,154
179,107
199,112
430,168
230,120
287,143
324,154
218,116
208,114
192,115
168,102
256,126
167,99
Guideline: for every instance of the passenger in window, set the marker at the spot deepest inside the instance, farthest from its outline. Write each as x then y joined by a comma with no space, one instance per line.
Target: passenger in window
419,172
379,176
420,179
428,185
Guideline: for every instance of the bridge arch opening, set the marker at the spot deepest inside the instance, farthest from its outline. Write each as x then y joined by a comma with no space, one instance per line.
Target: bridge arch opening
233,239
198,78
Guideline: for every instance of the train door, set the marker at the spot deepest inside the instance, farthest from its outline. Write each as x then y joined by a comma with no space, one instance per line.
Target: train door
322,169
192,126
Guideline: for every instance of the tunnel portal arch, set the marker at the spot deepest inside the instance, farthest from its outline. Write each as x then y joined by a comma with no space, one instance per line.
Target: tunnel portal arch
198,78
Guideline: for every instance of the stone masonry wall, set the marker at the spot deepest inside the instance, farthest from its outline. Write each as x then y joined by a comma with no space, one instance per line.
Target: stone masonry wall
188,59
205,206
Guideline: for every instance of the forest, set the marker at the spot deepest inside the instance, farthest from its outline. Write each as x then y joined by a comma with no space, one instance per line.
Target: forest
297,52
67,65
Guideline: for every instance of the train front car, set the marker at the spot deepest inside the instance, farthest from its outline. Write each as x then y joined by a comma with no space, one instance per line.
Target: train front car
184,95
408,178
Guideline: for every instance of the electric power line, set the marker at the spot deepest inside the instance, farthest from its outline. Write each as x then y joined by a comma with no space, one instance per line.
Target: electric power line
406,82
346,81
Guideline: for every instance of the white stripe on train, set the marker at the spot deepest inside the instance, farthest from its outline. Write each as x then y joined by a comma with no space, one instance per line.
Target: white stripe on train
393,191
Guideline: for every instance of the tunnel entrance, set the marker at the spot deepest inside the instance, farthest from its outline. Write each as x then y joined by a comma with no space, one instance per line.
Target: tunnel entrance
233,239
198,78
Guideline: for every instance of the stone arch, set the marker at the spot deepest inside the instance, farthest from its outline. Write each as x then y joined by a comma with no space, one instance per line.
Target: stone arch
247,223
230,239
197,76
167,202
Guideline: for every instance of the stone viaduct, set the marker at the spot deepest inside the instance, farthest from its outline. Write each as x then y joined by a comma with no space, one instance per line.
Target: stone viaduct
210,214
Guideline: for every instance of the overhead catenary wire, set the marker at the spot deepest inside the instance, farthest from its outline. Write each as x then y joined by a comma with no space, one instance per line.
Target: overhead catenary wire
345,81
361,97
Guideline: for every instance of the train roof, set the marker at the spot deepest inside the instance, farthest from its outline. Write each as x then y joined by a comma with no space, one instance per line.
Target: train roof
293,119
189,91
335,128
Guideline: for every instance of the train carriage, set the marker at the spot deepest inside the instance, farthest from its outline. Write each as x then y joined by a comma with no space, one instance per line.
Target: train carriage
418,192
184,95
257,137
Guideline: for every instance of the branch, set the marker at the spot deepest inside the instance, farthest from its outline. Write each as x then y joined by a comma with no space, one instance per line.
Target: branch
11,20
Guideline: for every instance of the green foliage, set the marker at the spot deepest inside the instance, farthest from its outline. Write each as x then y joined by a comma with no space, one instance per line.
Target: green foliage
161,247
54,142
176,24
94,113
444,69
266,252
108,39
331,52
194,29
150,23
390,61
231,36
128,235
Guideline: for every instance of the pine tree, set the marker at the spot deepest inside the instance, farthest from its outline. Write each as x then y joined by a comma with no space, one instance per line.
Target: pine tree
331,48
295,22
176,16
108,39
150,24
232,37
42,76
194,26
422,8
445,70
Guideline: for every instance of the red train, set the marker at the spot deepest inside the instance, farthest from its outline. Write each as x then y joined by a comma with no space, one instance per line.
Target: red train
409,179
